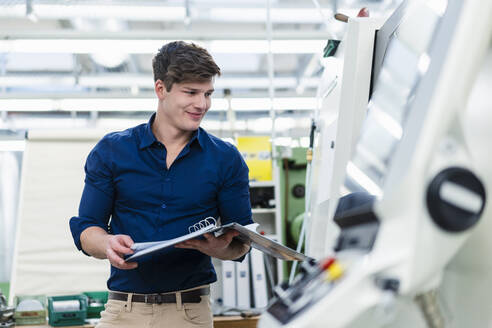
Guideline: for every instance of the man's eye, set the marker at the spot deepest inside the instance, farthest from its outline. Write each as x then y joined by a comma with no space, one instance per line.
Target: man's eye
190,92
208,94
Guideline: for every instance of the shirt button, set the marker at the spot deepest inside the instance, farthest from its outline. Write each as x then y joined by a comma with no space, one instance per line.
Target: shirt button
163,206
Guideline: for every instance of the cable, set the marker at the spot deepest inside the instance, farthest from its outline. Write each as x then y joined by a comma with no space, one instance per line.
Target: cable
307,200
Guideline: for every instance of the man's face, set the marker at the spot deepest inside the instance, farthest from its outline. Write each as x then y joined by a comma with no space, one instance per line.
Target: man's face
186,104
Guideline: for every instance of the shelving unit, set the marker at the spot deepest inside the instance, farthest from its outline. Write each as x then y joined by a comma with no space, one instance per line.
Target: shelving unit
262,210
269,218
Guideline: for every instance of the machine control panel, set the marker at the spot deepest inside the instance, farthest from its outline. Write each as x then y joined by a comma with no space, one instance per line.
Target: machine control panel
314,281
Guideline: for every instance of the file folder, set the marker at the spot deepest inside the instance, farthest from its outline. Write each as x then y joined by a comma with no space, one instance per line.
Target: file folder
258,279
242,284
229,284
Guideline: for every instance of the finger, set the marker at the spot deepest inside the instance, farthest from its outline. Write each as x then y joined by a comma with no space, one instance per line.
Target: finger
227,237
232,233
117,246
118,262
129,266
127,240
114,258
196,243
184,246
189,244
208,236
180,245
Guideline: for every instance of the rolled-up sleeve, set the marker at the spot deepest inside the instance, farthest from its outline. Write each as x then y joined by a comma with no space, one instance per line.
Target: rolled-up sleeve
234,201
97,197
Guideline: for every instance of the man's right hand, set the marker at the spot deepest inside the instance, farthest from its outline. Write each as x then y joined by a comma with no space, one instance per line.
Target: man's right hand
116,247
98,243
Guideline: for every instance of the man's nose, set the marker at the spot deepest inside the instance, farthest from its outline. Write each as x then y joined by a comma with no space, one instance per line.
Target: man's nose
201,102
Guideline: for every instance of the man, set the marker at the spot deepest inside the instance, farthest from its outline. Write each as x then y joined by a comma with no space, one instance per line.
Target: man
154,181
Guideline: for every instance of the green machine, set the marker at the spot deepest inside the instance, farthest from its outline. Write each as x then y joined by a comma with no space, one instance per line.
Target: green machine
30,310
292,165
95,303
70,310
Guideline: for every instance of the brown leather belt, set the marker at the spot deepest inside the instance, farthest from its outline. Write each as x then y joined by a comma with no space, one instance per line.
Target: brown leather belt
192,296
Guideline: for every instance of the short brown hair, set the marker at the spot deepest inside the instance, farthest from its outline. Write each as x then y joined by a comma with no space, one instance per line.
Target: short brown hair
178,62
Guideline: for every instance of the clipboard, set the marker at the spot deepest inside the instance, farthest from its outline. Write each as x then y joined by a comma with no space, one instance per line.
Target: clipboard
247,235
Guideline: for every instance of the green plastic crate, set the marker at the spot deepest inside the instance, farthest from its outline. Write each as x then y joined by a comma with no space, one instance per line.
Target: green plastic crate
27,318
67,318
96,301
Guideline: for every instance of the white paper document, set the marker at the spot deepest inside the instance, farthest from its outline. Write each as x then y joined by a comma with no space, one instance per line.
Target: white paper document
247,234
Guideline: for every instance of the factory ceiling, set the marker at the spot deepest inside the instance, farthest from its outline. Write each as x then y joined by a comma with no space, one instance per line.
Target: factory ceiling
56,54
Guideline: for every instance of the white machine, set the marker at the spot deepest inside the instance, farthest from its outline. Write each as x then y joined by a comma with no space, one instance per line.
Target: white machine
416,191
344,94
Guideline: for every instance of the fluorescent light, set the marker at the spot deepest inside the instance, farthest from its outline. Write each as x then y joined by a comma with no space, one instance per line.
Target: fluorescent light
150,104
117,81
262,125
278,15
295,103
26,105
283,141
36,80
69,11
168,13
287,103
261,46
96,104
81,46
87,46
125,80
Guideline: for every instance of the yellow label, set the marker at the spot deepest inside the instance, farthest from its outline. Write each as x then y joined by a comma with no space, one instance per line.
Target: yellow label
257,152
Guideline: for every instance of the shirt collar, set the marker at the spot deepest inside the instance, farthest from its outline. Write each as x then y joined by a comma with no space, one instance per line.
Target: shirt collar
200,135
148,137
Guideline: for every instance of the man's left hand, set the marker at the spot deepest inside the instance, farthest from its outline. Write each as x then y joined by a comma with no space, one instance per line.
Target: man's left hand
222,247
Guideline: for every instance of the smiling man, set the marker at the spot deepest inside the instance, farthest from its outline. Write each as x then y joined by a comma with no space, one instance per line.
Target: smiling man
151,182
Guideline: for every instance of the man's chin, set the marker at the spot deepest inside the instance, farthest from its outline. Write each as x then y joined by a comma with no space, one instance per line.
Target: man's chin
192,127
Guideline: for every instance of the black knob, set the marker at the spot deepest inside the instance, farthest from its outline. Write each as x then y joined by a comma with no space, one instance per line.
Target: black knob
455,199
298,191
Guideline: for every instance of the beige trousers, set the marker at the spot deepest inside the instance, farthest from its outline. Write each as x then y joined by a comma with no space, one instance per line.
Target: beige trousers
127,314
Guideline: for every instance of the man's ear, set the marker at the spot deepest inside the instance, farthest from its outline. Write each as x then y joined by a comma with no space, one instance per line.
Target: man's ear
160,89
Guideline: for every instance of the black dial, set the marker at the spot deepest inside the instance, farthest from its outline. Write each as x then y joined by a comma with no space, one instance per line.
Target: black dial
455,199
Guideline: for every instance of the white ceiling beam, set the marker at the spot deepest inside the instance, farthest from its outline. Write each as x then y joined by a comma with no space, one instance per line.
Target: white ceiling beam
127,80
206,34
291,15
136,104
151,46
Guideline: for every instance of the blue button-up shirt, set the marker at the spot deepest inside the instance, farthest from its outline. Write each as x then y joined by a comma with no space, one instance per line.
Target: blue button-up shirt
129,190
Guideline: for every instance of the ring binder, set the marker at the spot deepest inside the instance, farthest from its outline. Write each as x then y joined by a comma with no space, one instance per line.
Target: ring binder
203,224
247,234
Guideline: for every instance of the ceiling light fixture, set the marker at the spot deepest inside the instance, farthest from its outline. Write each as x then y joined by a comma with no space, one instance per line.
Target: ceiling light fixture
149,104
87,46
